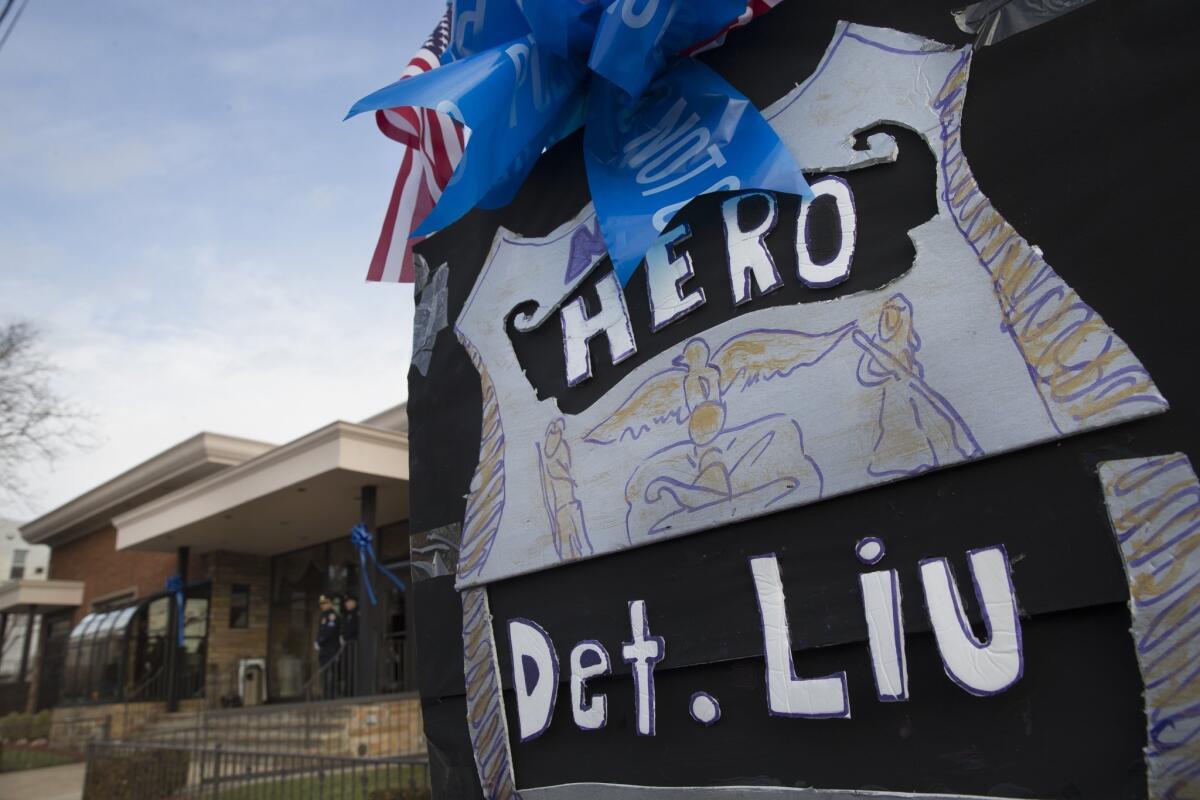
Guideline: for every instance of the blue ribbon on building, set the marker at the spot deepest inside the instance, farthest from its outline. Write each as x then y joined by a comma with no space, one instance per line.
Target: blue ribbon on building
361,538
661,128
175,586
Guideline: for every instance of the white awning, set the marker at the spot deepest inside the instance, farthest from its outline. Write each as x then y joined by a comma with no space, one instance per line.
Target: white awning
23,594
297,494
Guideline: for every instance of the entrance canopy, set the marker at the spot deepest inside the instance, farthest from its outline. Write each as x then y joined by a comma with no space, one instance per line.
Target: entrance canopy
34,594
303,492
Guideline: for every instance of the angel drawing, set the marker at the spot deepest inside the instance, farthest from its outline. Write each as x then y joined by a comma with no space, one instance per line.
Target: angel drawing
916,429
558,491
754,464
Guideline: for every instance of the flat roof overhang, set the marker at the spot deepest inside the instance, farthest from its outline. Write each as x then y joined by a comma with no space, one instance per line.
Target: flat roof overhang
188,461
301,493
35,594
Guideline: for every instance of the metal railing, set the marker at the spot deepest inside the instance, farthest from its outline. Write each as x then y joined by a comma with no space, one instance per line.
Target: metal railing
153,688
335,678
147,771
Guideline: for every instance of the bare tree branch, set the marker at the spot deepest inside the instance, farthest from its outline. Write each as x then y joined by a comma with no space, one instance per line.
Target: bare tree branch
36,424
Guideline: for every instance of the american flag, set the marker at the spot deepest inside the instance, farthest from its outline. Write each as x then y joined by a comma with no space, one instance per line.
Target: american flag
433,147
754,9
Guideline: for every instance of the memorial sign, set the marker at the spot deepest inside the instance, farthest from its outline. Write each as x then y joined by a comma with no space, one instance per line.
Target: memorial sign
854,493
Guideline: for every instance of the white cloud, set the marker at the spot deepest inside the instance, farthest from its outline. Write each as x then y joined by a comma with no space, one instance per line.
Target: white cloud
188,220
266,358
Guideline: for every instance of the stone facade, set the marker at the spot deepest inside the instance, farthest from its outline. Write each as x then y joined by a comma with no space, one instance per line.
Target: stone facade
226,645
72,727
391,728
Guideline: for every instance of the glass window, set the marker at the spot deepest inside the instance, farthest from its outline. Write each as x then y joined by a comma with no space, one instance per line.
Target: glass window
158,616
195,615
83,625
148,641
239,606
195,642
343,570
18,564
393,542
74,685
114,602
123,618
297,580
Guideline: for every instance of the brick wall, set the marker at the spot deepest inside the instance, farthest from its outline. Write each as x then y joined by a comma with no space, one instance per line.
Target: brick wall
94,559
226,645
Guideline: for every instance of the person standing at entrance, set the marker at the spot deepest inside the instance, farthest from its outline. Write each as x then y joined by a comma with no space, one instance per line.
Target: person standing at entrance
350,643
328,643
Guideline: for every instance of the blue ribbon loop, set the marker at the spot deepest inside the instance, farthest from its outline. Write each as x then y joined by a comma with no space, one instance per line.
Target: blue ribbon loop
361,538
661,129
175,587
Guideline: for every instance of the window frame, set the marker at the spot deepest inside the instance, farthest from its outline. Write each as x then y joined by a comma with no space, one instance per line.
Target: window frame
239,592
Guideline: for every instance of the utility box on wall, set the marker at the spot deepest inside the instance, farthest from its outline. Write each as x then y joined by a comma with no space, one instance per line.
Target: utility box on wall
887,489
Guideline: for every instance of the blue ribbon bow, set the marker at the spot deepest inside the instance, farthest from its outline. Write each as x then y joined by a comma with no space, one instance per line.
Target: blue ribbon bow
175,586
660,128
360,537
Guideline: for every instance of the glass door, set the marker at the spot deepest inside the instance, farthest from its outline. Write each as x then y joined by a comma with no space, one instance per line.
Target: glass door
395,648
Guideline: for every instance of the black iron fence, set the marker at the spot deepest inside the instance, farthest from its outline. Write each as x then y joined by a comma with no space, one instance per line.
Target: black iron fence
349,727
150,771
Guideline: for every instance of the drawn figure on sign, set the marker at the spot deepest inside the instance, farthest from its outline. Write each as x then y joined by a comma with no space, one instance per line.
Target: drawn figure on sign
918,429
751,465
558,489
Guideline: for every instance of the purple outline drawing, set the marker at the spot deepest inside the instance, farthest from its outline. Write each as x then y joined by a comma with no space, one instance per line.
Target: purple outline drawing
1079,367
577,705
587,246
733,204
554,673
608,290
897,620
889,363
485,503
715,464
696,696
863,542
802,233
1154,507
686,304
964,625
791,661
486,724
563,509
630,655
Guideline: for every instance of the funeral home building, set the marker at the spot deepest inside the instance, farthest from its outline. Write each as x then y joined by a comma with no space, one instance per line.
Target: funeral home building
250,536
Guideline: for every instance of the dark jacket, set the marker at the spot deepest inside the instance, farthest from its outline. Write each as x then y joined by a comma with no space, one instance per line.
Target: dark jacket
329,635
350,626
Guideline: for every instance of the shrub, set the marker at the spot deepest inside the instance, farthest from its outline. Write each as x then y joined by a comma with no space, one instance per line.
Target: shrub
39,725
132,775
16,725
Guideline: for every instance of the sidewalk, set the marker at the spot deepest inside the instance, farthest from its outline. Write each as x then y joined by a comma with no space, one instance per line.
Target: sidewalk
48,783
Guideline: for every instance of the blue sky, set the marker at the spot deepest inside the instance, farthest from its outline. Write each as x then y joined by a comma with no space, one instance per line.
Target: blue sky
188,220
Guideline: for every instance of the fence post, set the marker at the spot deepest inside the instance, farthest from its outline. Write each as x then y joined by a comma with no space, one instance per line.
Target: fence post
216,792
89,760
